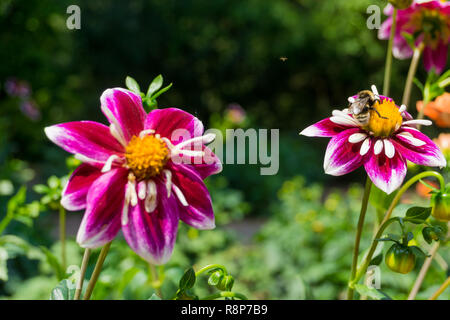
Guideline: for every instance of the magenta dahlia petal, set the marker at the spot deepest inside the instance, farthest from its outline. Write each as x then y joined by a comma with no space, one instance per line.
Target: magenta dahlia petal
386,173
105,200
385,29
152,235
435,58
418,148
197,210
124,110
91,140
166,121
75,192
401,49
204,165
343,156
326,128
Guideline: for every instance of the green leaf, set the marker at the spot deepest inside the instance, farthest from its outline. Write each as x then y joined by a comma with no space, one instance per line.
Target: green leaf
65,290
376,260
3,264
373,293
155,85
15,245
187,281
132,85
427,234
17,200
53,182
154,297
127,277
418,84
41,188
409,237
417,215
386,239
54,263
409,39
417,251
160,92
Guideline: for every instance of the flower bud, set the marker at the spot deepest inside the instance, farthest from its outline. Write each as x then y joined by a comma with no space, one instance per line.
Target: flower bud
400,258
226,283
401,4
440,203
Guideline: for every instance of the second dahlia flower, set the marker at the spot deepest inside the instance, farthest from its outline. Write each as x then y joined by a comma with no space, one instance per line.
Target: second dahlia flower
132,177
427,22
382,146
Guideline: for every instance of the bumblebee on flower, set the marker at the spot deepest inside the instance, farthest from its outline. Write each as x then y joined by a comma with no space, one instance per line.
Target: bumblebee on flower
382,145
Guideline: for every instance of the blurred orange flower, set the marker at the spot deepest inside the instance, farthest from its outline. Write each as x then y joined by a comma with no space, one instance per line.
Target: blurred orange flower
438,110
424,191
443,142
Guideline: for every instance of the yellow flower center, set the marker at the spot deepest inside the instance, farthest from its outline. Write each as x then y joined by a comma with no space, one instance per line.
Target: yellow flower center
388,123
146,156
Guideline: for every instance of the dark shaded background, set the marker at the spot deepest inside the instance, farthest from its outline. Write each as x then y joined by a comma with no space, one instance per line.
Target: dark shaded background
215,52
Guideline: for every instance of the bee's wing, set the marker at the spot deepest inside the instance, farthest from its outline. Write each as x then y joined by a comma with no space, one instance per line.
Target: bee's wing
358,106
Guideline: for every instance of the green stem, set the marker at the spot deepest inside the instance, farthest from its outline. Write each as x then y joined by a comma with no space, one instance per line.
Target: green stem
423,271
386,220
80,281
362,215
62,235
372,249
97,270
411,73
155,282
388,67
210,267
426,100
225,294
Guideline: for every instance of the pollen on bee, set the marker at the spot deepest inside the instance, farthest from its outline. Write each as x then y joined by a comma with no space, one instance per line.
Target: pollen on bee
385,119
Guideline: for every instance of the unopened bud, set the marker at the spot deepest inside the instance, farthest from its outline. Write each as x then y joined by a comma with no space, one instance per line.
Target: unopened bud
440,203
401,4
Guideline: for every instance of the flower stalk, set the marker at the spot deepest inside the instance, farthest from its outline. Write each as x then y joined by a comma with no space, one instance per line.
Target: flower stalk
97,270
388,66
423,271
62,235
426,100
440,290
362,215
411,73
154,279
211,267
80,281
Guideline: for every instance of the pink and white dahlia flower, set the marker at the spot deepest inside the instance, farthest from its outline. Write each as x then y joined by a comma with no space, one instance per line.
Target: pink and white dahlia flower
382,146
426,21
139,174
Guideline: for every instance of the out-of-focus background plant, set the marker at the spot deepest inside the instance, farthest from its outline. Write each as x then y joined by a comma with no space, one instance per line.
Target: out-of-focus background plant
234,64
